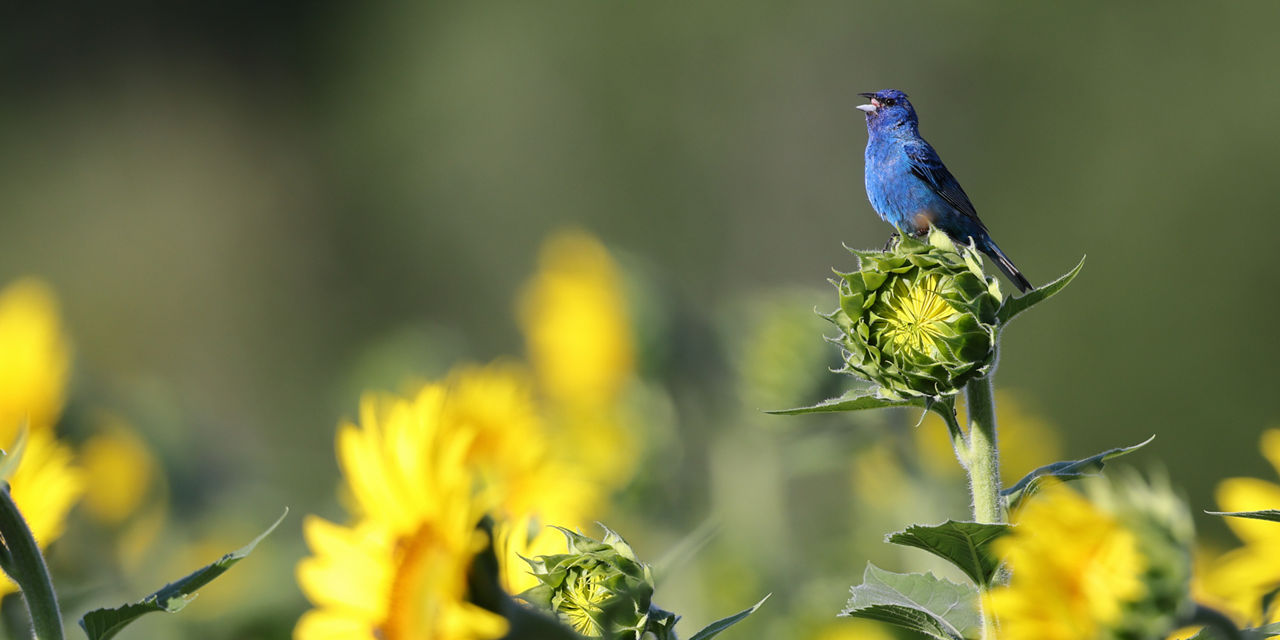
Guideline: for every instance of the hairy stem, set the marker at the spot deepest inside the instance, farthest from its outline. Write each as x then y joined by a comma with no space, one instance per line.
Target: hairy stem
26,567
984,457
983,465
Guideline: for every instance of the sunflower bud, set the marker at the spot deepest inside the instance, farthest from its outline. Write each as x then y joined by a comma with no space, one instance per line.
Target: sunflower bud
600,589
919,319
1160,520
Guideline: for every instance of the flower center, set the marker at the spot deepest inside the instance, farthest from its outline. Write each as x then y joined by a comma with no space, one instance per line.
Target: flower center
914,316
582,605
427,577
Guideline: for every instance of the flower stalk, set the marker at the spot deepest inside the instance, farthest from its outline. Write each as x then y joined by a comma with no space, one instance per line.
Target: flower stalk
983,455
27,568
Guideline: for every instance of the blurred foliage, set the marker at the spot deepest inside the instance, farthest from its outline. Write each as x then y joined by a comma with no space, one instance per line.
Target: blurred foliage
252,213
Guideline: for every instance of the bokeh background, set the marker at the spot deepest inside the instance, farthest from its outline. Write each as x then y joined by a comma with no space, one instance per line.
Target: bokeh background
250,212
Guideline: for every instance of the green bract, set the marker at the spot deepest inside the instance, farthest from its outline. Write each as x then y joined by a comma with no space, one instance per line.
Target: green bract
600,589
919,320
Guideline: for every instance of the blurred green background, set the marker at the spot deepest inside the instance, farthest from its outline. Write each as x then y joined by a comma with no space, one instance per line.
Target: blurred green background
246,207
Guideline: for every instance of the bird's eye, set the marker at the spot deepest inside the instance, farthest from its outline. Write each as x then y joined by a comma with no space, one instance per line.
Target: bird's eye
888,102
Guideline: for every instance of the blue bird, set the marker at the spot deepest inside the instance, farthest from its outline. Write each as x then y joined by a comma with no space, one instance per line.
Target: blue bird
910,188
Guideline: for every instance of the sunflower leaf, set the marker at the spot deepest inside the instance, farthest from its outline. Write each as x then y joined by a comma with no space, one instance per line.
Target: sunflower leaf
851,402
1013,306
967,545
1261,633
937,608
714,629
1267,514
1065,470
103,624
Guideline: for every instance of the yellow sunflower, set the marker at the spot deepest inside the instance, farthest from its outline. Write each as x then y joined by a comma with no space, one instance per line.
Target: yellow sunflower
1237,580
35,358
35,362
575,320
399,572
45,486
123,469
576,323
519,462
1074,567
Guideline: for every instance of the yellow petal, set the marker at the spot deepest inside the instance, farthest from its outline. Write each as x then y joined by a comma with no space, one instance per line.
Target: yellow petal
35,357
120,469
350,569
327,624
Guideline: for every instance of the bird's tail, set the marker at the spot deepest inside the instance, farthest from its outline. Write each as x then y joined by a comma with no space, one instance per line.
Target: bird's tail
1006,265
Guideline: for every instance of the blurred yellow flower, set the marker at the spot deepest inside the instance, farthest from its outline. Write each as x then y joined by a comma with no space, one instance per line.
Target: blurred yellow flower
511,448
45,486
574,316
122,470
1027,441
1074,567
529,449
1237,580
400,572
523,537
35,358
35,362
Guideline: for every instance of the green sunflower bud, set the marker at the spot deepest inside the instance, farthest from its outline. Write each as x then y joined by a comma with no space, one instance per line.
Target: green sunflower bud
600,589
1162,523
919,320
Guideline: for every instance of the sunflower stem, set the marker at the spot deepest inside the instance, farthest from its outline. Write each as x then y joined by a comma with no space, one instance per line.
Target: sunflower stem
26,567
983,465
984,456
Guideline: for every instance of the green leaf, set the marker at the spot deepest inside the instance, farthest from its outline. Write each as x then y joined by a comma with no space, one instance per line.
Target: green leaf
944,407
850,402
965,544
1065,470
1258,633
714,629
1214,625
1269,598
13,456
1267,514
102,624
1013,306
1261,633
920,602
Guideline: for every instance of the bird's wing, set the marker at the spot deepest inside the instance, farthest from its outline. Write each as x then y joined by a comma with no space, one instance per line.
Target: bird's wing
926,164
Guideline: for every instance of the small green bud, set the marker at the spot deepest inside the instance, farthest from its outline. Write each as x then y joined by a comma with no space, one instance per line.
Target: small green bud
1162,522
600,589
918,319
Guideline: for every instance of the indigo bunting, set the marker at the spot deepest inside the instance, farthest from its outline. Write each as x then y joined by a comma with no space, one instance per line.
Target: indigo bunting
910,188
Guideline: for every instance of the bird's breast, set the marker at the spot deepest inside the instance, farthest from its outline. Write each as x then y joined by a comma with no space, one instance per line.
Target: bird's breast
897,194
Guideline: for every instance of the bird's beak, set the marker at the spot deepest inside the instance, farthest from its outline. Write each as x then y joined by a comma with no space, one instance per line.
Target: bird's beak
869,108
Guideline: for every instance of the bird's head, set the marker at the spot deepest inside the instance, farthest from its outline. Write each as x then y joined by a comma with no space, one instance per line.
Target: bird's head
888,108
